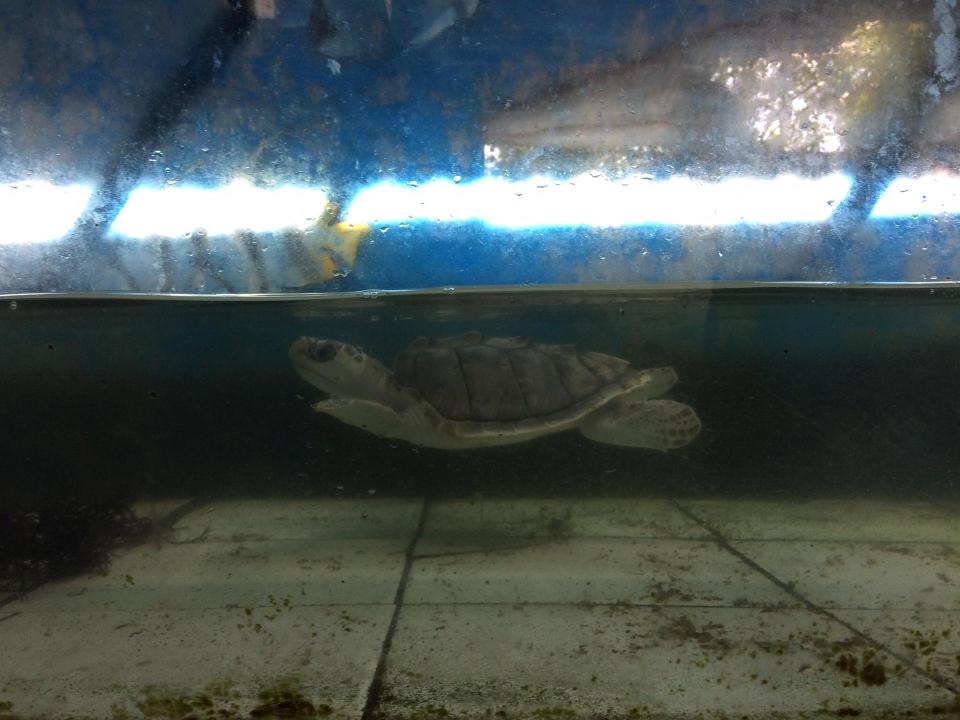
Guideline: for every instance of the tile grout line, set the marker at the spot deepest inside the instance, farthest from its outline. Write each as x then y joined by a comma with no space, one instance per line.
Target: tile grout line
671,538
18,595
168,520
375,689
788,588
466,603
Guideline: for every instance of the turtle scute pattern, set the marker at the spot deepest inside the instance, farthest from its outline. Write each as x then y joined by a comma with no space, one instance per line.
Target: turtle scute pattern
473,377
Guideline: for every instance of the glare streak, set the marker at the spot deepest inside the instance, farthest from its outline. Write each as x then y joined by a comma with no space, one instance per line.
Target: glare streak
933,194
177,211
594,200
37,211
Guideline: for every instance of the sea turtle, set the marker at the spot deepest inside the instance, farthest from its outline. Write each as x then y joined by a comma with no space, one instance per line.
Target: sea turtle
474,391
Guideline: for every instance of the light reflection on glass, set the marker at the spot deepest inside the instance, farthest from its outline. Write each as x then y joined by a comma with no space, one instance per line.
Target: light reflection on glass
178,211
37,211
807,100
597,201
933,194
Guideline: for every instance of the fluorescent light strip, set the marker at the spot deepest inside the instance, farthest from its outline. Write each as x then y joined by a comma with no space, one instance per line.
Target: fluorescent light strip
933,194
37,211
597,201
178,211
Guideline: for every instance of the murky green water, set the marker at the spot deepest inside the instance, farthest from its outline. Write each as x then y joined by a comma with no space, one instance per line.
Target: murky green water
846,392
803,392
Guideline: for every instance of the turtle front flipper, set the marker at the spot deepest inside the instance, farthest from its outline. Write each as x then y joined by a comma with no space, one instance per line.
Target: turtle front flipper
413,424
655,424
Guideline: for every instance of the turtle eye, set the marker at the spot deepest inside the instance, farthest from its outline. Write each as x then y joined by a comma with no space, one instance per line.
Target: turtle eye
323,351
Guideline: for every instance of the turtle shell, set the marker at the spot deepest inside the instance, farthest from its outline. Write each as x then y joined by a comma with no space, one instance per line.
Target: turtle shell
491,379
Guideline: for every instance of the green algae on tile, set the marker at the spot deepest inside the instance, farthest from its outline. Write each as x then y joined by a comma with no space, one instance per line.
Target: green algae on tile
430,712
223,701
157,705
216,701
868,669
554,713
287,701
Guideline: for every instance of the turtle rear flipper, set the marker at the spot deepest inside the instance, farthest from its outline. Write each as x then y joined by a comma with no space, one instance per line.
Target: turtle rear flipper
656,424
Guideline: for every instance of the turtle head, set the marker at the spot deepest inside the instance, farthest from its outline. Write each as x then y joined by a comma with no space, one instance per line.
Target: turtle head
339,369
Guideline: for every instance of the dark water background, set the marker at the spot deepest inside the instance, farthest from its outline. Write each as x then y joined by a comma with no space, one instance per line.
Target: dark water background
802,392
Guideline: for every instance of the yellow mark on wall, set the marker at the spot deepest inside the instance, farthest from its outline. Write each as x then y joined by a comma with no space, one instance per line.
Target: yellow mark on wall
329,249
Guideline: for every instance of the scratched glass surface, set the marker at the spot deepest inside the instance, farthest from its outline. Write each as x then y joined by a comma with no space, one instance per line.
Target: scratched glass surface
325,145
479,359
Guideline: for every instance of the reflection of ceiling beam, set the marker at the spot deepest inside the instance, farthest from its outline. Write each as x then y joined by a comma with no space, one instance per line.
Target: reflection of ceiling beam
122,169
870,180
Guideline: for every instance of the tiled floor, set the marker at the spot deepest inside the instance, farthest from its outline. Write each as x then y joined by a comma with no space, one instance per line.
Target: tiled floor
547,609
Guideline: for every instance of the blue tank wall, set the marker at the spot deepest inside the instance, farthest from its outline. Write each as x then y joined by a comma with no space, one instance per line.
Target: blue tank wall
116,95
